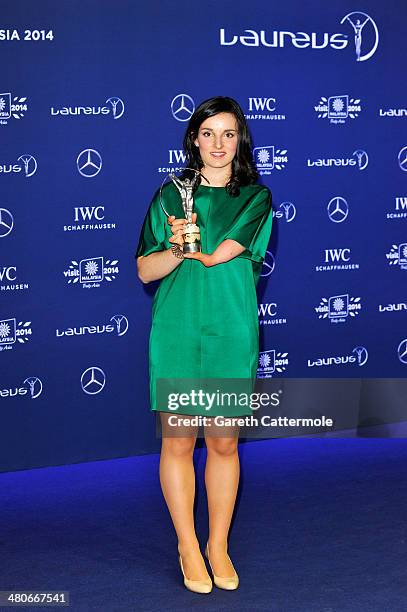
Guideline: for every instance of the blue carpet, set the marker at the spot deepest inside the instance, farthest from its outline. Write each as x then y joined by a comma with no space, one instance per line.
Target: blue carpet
320,527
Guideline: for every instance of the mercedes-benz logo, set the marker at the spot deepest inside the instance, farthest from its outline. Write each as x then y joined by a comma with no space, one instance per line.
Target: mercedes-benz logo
268,264
182,107
93,380
361,354
6,222
338,209
30,164
35,386
89,163
122,324
403,159
402,351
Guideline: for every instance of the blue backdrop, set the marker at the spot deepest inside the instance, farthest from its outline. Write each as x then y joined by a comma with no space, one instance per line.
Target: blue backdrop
94,100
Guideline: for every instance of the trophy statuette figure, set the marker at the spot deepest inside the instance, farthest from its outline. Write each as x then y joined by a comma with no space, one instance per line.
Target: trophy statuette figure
192,237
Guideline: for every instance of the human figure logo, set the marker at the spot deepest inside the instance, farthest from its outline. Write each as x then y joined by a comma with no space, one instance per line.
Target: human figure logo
358,21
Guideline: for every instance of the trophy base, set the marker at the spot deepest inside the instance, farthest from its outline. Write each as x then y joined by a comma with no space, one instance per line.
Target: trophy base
192,247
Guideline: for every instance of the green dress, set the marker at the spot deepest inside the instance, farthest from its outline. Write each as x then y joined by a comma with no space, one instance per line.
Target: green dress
205,319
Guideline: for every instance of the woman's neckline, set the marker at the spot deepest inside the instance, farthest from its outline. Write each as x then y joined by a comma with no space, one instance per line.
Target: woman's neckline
213,186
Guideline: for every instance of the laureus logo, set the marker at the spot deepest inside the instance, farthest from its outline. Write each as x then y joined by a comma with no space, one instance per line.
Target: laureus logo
31,388
118,324
26,166
114,109
359,159
286,211
358,356
358,22
363,27
34,385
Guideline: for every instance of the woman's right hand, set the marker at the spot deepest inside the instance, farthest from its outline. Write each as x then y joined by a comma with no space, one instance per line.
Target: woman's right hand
177,228
157,265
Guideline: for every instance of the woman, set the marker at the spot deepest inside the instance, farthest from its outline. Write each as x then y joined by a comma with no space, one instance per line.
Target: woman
205,322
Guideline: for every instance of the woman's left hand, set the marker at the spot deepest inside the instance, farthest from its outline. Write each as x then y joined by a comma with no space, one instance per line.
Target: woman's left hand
204,258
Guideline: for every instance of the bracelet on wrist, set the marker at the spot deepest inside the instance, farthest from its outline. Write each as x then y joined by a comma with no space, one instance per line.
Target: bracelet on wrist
177,251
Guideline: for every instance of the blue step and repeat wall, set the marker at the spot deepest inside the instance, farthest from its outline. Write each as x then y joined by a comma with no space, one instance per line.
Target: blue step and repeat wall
94,100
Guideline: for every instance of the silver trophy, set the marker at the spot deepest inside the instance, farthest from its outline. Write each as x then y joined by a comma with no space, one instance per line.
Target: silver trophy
192,237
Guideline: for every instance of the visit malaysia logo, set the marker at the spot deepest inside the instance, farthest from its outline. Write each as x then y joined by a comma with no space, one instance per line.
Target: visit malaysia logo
269,158
398,255
11,107
271,362
12,332
338,108
338,308
91,272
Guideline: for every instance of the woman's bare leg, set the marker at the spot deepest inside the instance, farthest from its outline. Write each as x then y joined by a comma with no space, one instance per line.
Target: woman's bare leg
177,478
222,480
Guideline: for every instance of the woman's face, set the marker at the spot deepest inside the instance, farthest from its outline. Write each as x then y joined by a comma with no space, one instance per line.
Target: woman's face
217,140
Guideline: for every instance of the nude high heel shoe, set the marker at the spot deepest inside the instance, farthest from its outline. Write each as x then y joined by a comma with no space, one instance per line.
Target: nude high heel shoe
223,583
198,586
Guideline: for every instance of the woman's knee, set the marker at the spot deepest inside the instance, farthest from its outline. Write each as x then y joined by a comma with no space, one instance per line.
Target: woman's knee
222,446
179,447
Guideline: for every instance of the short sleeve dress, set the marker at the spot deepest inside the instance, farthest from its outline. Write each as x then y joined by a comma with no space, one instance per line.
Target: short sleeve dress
205,319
